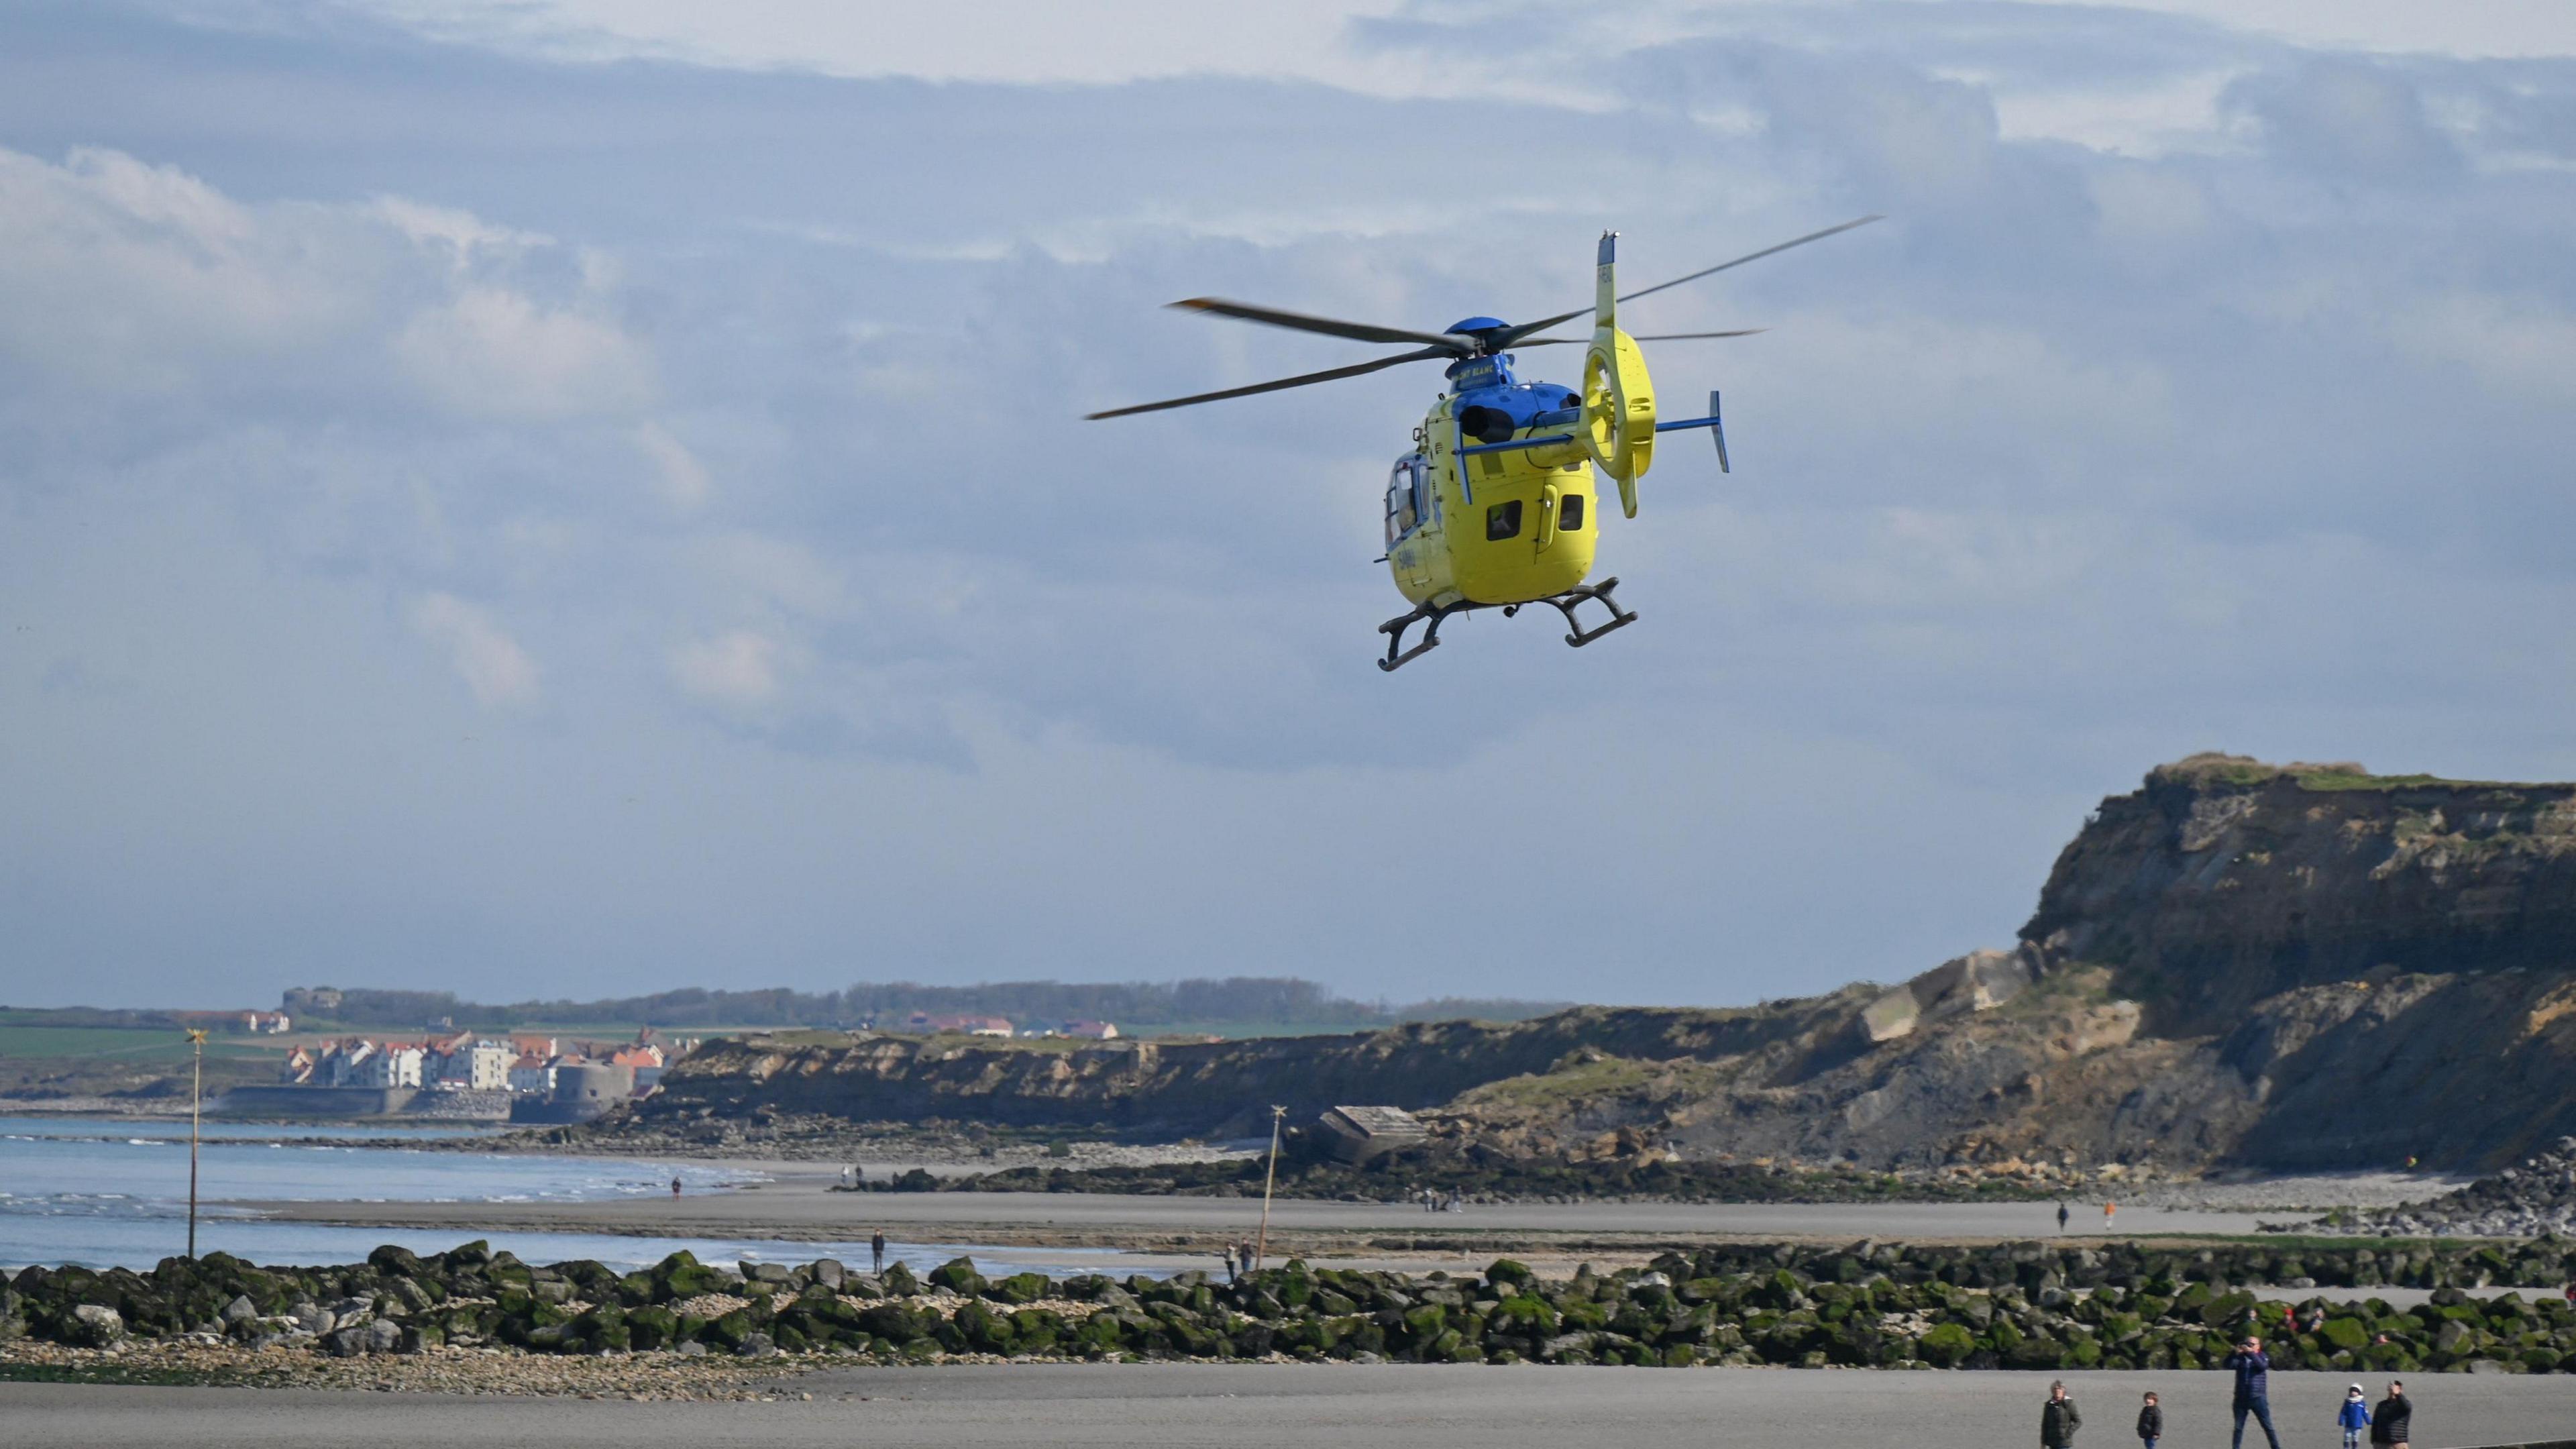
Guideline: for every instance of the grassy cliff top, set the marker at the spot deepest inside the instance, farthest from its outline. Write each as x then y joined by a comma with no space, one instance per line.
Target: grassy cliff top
2211,767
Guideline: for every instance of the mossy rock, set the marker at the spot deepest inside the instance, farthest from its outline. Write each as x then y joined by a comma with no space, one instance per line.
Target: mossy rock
727,1332
1946,1344
899,1282
1509,1272
897,1319
981,1330
546,1315
958,1275
605,1329
2036,1353
1528,1313
652,1326
1021,1288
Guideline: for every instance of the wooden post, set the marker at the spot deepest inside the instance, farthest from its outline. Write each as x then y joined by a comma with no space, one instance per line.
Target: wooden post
1261,1248
196,1100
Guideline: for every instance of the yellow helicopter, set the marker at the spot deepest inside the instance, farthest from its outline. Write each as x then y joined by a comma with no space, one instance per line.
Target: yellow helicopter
1494,506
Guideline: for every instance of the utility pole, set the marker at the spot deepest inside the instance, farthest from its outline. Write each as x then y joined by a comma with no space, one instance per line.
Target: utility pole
196,1101
1261,1248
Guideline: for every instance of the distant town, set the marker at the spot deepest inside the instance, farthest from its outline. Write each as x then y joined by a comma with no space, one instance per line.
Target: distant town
532,1076
331,1052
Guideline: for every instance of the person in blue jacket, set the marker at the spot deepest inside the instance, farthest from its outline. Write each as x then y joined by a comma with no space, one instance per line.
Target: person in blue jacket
2253,1369
2353,1417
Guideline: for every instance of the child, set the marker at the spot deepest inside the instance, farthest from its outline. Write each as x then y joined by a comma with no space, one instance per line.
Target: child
2354,1416
2151,1422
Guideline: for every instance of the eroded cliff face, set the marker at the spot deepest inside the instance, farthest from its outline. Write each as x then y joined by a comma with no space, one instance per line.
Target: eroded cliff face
2225,881
2300,967
1199,1088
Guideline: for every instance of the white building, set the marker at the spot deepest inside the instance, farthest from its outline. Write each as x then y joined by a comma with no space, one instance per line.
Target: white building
533,1075
482,1065
393,1066
346,1064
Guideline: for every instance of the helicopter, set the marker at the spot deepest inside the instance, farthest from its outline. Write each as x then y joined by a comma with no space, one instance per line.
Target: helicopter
1495,505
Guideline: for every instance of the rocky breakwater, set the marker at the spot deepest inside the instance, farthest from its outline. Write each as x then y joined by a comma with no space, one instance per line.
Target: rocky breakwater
2534,1197
2027,1305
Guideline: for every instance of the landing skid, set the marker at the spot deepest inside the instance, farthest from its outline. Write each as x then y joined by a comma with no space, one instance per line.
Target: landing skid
1397,656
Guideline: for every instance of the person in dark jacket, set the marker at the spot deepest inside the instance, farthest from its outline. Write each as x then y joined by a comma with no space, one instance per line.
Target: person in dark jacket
2151,1422
2253,1369
2058,1419
2392,1417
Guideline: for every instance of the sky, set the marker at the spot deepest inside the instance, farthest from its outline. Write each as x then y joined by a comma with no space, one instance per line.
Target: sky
578,497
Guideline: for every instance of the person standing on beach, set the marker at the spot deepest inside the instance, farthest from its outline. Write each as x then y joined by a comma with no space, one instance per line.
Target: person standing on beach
2062,1216
675,1187
2058,1419
2253,1369
876,1251
2151,1422
2393,1418
2353,1417
2110,1210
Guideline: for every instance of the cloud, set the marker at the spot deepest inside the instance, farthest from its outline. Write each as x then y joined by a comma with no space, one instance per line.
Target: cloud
677,474
127,277
2524,346
2338,118
483,654
133,278
494,353
739,670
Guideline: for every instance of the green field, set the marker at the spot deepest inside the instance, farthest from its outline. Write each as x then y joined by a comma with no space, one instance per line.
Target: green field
116,1043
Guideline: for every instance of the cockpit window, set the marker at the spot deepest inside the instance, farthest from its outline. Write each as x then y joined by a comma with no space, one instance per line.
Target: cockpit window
1569,514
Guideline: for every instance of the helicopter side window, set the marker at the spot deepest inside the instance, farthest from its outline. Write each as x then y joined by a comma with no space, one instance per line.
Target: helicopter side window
1569,514
1503,520
1403,499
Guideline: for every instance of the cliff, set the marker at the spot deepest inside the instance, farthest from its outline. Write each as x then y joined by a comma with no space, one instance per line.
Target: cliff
1179,1089
2295,967
2225,881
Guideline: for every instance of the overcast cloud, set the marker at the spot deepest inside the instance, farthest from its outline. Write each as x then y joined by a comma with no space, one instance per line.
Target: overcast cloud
569,498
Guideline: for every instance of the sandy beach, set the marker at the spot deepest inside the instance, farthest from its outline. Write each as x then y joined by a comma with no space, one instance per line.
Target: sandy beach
1036,1406
800,1208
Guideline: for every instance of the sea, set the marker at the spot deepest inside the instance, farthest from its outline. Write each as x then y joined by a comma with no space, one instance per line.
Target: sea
113,1192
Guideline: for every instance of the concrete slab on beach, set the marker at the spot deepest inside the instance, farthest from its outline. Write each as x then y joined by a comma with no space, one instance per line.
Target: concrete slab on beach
1190,1406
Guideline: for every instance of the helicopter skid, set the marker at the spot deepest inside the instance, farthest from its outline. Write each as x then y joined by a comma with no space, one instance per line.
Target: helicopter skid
1397,656
1565,602
1394,629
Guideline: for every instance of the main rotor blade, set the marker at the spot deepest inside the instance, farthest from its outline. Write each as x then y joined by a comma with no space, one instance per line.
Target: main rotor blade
1455,346
1513,336
1752,257
1658,337
1328,375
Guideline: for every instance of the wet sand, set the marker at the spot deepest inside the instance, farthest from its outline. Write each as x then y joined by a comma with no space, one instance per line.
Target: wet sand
1292,1406
800,1209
